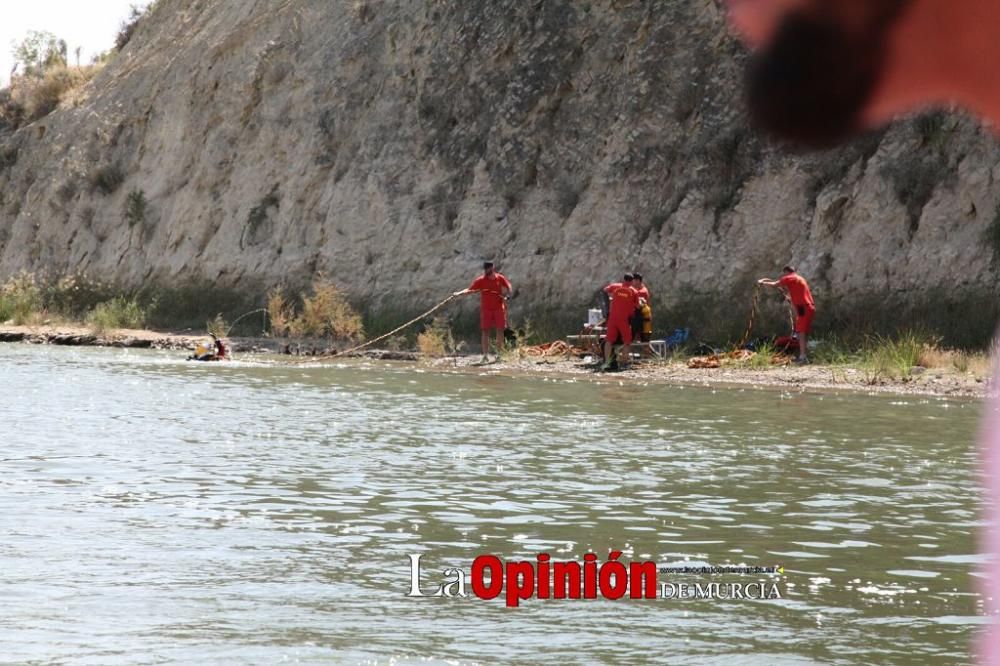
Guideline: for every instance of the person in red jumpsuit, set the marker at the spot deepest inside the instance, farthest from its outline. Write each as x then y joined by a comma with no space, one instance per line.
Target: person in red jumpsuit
802,301
624,302
220,348
494,289
825,70
639,319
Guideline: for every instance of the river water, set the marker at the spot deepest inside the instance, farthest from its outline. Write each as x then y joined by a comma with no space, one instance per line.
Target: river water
154,510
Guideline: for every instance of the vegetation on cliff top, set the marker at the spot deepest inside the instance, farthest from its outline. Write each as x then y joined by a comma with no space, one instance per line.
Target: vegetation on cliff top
46,76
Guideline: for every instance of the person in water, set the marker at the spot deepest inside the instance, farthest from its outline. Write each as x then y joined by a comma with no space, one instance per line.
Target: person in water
217,351
220,347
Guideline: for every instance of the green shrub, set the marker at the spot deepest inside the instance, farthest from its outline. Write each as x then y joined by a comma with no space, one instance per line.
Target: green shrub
119,312
895,357
38,52
763,358
191,304
6,309
135,207
73,296
833,351
21,300
107,178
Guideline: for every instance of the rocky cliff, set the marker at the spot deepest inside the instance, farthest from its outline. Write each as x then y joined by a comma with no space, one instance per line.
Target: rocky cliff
394,144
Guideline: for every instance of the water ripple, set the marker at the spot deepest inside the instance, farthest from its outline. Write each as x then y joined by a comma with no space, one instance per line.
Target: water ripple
158,510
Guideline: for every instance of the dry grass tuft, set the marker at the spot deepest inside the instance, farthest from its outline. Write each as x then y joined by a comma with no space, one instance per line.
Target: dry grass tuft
326,313
437,339
40,96
978,364
218,327
279,312
932,356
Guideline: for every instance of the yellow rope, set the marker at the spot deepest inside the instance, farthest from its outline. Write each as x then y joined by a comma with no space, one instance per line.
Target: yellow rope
381,337
753,312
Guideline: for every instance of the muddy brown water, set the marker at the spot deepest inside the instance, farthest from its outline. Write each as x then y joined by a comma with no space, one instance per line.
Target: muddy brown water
154,510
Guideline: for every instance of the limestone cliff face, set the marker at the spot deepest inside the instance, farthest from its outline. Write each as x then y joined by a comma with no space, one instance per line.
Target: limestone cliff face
394,144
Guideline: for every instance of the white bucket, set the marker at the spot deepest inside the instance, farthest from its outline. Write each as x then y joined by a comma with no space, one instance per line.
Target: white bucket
594,317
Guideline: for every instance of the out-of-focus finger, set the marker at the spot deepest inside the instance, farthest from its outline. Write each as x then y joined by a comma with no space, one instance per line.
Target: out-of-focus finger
757,20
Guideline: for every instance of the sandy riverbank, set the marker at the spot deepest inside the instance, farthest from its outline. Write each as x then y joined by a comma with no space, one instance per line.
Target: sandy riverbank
75,335
933,381
820,378
72,335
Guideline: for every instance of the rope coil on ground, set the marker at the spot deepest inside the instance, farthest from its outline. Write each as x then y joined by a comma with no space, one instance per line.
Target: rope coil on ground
555,348
753,314
738,353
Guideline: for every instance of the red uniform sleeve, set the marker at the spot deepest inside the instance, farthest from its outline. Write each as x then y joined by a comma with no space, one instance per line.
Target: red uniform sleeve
506,282
477,284
786,280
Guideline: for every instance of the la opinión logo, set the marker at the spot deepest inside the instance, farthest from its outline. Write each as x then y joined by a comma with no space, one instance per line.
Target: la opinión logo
490,577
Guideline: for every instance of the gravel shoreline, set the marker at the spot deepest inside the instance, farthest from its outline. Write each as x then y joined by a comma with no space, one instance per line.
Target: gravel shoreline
942,382
810,378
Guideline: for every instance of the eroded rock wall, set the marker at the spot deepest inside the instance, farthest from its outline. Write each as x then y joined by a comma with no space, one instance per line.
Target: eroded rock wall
393,145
